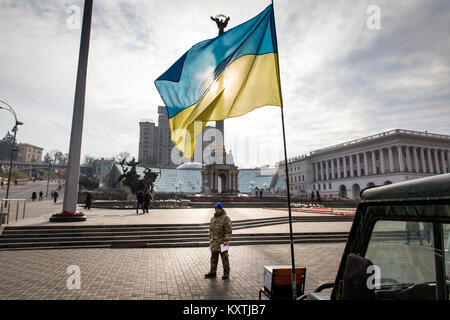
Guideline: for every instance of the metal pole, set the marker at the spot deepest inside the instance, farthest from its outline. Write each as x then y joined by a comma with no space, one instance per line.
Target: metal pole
10,164
73,169
17,210
9,209
48,179
1,213
23,216
294,280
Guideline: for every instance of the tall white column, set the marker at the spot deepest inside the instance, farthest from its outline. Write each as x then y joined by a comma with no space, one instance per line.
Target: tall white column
332,168
326,170
366,165
382,161
422,157
73,170
217,182
400,159
316,173
352,173
211,181
408,160
391,160
321,170
443,166
345,166
358,165
230,181
448,160
416,160
436,161
430,162
374,163
338,167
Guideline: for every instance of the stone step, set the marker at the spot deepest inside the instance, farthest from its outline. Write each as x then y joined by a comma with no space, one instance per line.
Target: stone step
166,237
181,226
141,228
156,244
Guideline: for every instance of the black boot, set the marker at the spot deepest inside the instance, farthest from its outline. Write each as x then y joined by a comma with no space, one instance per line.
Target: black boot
210,275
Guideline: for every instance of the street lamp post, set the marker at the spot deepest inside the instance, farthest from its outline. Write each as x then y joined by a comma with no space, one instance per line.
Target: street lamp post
17,123
48,177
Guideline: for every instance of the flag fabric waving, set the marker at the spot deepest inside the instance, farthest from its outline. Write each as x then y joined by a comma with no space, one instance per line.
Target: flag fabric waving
220,78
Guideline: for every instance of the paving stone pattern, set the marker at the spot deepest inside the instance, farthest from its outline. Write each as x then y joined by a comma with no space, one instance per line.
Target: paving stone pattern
155,274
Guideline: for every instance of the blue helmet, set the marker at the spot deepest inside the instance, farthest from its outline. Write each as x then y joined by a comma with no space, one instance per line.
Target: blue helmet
218,205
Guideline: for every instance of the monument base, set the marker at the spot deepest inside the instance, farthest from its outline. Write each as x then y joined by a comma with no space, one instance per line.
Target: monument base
66,216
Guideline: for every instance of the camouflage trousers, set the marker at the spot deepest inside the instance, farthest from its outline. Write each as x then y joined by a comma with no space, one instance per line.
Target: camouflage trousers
215,260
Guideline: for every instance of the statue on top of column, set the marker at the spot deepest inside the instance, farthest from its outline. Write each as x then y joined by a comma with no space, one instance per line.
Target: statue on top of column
221,21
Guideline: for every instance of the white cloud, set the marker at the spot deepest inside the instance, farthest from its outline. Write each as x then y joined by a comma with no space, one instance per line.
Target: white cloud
340,80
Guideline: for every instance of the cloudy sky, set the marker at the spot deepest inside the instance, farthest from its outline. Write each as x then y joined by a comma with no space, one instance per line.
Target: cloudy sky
341,79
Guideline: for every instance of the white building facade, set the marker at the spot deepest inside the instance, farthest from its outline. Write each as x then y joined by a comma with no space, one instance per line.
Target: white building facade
345,169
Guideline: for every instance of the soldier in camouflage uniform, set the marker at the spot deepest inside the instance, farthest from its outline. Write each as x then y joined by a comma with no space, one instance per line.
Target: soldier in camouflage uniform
219,233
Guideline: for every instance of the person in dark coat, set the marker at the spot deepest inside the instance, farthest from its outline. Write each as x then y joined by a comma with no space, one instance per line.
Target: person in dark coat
312,195
318,195
33,196
41,194
140,202
147,199
55,196
88,203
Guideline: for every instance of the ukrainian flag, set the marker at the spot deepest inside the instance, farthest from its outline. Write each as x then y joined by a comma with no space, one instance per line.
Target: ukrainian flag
221,78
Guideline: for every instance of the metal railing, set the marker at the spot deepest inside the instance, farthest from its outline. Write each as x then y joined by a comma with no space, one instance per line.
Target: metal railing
5,210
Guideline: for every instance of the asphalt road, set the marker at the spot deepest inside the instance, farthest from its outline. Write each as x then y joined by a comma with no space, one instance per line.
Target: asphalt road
24,191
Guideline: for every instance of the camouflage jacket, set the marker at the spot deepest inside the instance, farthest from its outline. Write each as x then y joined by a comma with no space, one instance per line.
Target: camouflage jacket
219,230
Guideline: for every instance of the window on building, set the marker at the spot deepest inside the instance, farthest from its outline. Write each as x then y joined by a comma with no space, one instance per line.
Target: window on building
324,186
329,186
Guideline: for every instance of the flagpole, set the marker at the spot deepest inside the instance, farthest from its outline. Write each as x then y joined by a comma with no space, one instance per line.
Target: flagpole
294,281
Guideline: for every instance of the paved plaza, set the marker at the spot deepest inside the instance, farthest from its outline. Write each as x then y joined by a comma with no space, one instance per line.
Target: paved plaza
162,273
169,274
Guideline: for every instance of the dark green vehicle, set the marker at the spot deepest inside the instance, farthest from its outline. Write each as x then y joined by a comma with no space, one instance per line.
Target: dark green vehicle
398,246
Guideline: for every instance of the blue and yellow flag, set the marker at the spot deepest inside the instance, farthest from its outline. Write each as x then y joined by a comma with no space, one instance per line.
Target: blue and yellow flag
221,78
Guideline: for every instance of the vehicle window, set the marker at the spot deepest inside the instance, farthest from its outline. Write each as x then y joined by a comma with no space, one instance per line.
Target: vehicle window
446,229
403,251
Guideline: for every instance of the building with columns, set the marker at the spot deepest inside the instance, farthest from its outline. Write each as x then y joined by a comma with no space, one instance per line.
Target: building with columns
389,157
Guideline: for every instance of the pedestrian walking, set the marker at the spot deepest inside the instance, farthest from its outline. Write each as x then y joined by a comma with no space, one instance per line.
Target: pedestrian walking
318,195
312,195
261,193
88,202
140,202
33,196
41,194
219,239
147,199
55,196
